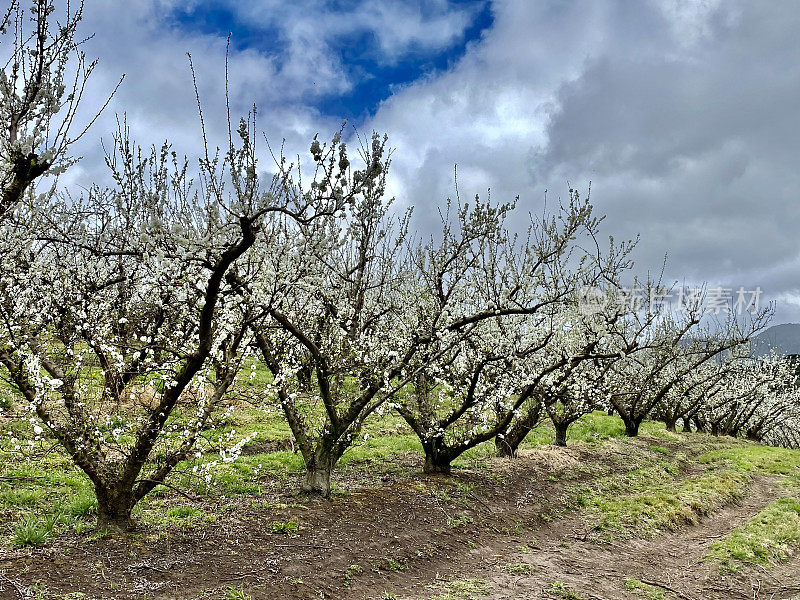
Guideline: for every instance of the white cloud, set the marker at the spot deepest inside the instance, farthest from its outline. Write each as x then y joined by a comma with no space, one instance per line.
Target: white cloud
285,78
398,26
679,114
158,95
682,114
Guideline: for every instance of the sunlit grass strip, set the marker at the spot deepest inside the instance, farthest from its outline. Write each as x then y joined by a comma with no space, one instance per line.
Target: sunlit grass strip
760,459
649,500
769,537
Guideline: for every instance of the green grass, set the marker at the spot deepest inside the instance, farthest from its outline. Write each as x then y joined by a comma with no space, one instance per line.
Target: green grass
652,498
41,497
395,565
769,537
24,497
655,496
561,590
594,427
284,527
645,590
236,593
519,569
32,531
351,572
464,589
765,460
382,446
82,504
185,516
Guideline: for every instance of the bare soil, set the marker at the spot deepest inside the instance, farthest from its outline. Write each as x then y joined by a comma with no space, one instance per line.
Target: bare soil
409,535
672,562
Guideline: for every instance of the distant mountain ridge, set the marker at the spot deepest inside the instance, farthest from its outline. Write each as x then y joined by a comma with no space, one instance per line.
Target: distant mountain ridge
784,338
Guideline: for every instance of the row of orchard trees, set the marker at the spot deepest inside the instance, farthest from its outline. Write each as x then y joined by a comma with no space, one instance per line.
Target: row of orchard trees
127,312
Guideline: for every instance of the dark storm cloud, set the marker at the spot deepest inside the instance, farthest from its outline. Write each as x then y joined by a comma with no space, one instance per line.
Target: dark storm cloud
696,148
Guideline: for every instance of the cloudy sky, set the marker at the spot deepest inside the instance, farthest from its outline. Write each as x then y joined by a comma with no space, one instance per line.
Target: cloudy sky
683,114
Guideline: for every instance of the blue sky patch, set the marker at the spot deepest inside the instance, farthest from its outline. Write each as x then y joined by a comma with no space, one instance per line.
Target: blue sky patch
374,74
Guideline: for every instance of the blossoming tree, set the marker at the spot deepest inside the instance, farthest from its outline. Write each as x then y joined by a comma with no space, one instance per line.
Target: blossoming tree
331,312
486,304
41,87
660,349
122,323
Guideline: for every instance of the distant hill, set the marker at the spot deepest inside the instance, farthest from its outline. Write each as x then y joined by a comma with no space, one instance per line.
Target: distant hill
785,338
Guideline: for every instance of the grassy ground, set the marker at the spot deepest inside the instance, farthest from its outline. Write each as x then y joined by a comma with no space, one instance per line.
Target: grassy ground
615,487
662,481
770,537
43,495
652,498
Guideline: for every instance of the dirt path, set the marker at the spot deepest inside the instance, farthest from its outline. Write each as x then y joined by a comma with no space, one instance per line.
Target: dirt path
566,560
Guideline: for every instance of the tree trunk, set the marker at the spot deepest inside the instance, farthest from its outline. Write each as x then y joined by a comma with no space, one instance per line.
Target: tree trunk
317,481
504,447
672,425
561,433
436,464
304,374
687,426
632,427
509,443
318,473
114,507
437,457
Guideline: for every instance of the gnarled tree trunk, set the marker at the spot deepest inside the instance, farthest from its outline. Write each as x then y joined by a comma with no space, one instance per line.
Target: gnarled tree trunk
436,465
317,479
561,433
114,507
437,459
508,443
632,426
